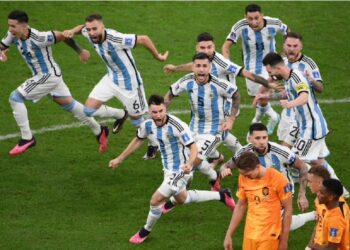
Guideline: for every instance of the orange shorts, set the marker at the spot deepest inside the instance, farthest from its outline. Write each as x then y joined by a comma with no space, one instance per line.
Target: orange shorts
249,244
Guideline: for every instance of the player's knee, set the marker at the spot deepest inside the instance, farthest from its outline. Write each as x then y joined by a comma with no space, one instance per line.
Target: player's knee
89,111
15,96
137,122
69,106
156,210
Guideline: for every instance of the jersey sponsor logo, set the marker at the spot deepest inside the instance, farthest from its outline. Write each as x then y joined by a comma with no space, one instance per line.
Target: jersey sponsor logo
50,38
302,87
333,232
128,41
232,69
288,188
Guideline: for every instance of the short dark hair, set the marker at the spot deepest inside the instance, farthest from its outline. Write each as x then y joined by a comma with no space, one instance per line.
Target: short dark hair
155,100
247,161
93,17
252,8
205,36
295,35
272,59
320,171
257,127
200,56
19,15
334,187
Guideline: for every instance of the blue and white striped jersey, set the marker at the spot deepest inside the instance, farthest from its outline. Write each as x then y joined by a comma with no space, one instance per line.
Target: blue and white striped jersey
304,64
309,117
277,156
224,69
115,51
36,51
173,138
207,101
256,45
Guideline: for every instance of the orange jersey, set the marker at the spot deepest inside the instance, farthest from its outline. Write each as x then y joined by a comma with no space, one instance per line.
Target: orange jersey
333,225
264,198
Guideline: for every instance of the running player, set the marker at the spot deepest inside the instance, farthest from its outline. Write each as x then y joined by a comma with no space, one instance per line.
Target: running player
178,152
35,48
257,33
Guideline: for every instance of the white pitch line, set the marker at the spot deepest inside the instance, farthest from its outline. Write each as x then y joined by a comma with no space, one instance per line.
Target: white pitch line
175,112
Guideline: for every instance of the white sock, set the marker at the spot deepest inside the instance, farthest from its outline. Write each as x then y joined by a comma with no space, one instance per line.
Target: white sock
78,111
232,143
206,169
299,220
106,111
194,196
20,114
259,113
154,214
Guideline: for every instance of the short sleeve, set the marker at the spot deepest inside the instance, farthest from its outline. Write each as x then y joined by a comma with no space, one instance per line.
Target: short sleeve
240,191
284,188
144,130
7,40
178,87
335,229
236,31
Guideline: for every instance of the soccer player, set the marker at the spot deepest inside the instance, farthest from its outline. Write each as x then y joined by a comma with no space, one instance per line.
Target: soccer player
178,152
209,124
258,34
221,68
35,48
311,144
272,155
294,59
123,80
264,191
332,228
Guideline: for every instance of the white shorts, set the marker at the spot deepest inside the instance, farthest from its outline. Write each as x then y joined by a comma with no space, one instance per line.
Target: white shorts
38,86
134,101
253,87
310,150
174,183
206,144
287,130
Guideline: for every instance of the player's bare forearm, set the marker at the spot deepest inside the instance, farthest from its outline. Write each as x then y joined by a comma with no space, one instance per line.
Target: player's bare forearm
73,44
146,42
193,154
168,98
286,221
317,85
132,147
278,95
255,78
237,217
303,170
73,31
226,48
236,99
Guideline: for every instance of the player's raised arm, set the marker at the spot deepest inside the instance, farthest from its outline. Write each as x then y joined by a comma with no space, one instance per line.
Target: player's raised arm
133,146
146,42
83,53
71,32
226,48
171,68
